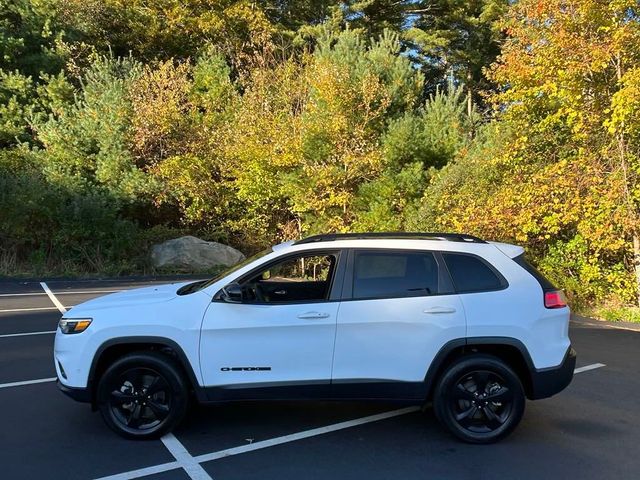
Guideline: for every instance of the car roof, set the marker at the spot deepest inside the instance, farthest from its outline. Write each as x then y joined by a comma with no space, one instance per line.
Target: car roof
447,236
400,243
430,241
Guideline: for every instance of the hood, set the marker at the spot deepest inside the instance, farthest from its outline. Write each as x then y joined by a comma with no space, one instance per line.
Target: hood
128,298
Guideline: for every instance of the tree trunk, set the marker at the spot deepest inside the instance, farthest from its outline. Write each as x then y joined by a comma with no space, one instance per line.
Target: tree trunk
636,263
632,214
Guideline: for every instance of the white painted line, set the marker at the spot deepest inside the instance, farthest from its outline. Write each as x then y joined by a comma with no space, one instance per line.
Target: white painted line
27,382
143,472
66,292
7,335
34,309
304,434
586,368
184,458
53,298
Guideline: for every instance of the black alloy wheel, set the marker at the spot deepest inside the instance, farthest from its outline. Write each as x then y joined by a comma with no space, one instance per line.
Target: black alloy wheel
481,402
141,399
143,395
479,399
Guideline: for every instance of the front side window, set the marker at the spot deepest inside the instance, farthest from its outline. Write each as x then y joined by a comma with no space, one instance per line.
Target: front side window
471,274
394,274
301,278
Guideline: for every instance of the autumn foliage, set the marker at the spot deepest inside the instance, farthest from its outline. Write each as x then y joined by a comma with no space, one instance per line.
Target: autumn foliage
122,123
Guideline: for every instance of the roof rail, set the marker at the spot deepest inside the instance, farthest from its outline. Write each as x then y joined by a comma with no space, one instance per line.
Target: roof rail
452,237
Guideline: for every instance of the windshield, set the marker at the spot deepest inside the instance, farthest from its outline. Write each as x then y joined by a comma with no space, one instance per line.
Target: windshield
197,286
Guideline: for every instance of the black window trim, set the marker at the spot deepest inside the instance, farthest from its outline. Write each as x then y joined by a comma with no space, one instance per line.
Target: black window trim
504,284
544,282
445,284
334,289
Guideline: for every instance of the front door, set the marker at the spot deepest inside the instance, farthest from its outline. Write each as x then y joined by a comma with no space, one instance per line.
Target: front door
280,336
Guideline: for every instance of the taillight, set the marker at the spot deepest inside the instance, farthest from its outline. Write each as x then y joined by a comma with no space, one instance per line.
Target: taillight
554,299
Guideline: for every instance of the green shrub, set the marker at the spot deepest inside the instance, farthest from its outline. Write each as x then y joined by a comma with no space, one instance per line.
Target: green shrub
618,314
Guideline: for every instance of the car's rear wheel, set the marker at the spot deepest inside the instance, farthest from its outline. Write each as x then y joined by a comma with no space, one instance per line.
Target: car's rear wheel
143,395
479,399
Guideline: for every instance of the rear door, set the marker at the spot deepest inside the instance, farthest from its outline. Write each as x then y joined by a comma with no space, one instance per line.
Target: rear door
399,311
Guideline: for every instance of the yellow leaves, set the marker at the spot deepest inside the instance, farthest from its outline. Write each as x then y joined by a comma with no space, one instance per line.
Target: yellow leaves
160,103
625,105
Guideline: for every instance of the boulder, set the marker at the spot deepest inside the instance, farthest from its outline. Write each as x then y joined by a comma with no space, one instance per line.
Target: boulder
193,254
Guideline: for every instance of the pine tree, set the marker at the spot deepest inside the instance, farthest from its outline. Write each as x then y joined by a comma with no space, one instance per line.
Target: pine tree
454,40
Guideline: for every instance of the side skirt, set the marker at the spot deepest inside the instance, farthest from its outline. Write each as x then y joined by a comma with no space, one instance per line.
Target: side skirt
412,392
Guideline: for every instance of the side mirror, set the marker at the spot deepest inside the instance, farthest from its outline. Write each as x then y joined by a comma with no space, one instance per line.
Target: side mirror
232,293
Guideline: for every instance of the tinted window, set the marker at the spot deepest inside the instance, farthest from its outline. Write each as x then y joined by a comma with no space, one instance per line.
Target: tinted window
394,274
470,274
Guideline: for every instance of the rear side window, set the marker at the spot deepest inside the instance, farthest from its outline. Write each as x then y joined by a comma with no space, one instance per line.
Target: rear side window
394,274
542,280
471,274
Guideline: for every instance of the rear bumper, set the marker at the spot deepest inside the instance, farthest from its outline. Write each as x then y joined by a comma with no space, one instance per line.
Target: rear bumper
78,394
549,381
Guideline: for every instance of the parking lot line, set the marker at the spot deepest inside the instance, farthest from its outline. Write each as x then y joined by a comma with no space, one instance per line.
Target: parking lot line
586,368
7,335
27,382
184,458
143,472
53,298
174,444
304,434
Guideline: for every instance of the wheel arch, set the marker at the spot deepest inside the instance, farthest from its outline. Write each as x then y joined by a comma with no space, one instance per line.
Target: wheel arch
510,350
115,348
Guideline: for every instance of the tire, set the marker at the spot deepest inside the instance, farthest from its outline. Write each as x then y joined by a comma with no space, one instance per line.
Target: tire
479,399
143,395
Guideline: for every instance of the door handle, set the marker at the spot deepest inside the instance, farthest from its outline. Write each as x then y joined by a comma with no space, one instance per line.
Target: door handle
313,315
280,292
439,310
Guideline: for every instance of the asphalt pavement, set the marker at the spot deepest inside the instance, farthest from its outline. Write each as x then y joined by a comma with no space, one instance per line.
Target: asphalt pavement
589,431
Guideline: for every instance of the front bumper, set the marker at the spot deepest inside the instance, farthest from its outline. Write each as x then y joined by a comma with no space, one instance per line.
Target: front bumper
78,394
549,381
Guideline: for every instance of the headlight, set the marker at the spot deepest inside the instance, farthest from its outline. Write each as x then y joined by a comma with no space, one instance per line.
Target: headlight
74,325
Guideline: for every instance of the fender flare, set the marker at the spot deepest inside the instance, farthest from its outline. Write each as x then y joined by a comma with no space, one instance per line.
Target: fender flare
438,363
149,340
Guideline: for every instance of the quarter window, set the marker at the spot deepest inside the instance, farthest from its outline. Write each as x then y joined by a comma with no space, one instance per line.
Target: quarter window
394,274
470,274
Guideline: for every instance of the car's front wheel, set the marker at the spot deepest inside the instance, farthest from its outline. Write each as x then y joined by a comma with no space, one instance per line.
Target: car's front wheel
479,399
143,395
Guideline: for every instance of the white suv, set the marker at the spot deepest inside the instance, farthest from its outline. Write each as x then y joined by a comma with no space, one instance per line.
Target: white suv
411,317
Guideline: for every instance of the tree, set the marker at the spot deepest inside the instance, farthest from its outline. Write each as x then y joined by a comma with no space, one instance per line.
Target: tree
373,17
87,145
30,37
558,171
355,90
455,40
566,64
167,29
415,147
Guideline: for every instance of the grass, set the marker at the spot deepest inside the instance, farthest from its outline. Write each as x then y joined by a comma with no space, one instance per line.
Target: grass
617,314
